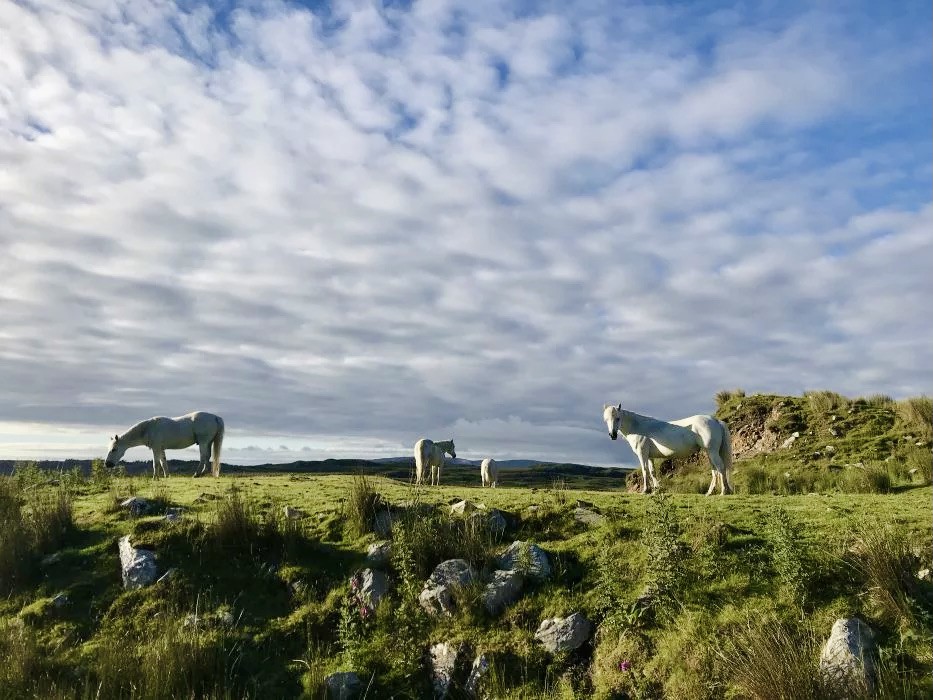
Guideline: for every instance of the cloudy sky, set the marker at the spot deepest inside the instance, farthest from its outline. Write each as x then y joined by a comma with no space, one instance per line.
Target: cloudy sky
344,226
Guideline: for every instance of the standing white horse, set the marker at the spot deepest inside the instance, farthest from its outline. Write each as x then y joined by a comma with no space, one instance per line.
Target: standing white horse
161,434
430,454
652,439
489,472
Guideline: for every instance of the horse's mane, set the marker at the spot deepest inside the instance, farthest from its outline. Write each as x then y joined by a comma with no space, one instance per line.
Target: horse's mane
137,431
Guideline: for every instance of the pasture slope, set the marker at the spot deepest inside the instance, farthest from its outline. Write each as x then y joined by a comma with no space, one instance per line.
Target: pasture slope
691,597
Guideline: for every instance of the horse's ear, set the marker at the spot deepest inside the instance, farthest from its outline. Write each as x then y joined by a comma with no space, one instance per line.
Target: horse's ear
620,405
605,406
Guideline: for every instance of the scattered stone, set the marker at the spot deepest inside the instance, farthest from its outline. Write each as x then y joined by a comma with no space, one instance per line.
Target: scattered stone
848,655
167,576
60,601
790,441
56,557
138,565
587,516
924,574
533,509
586,504
477,671
370,587
493,520
379,552
294,513
173,514
382,523
462,507
911,472
919,443
436,596
345,685
135,505
564,634
834,432
829,448
503,590
443,662
526,555
834,418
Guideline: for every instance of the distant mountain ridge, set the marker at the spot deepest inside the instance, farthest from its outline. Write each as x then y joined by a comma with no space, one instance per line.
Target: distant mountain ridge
502,463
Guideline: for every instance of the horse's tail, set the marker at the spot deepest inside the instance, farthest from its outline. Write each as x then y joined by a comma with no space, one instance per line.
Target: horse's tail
725,454
217,444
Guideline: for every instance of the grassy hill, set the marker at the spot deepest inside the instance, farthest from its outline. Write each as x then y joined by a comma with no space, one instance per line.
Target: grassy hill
691,597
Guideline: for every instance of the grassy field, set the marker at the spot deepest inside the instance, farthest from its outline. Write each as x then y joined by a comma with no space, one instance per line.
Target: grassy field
693,597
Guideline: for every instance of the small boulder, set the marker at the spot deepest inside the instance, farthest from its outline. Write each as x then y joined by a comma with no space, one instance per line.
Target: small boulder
437,596
587,516
528,558
138,565
586,504
503,590
135,505
382,523
790,441
370,587
173,514
564,633
463,507
477,671
848,657
379,552
294,513
923,574
493,520
442,659
345,685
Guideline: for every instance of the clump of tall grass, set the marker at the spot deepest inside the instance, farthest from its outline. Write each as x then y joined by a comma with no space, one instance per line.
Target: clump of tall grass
559,491
363,502
666,567
33,522
871,478
826,401
921,459
772,659
723,396
883,557
917,415
240,528
789,554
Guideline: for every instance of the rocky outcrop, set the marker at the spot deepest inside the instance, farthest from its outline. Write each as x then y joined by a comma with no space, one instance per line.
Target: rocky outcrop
437,595
503,590
442,662
138,566
379,552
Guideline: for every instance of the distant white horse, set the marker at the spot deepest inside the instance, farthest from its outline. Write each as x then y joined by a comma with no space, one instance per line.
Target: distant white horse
489,472
161,434
430,454
652,439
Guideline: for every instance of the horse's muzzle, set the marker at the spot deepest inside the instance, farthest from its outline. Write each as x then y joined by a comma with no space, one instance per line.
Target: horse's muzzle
110,465
613,436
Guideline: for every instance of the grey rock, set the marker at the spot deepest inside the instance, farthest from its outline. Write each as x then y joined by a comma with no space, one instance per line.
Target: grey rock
564,633
371,586
443,665
437,595
587,516
138,566
586,504
173,514
463,507
924,574
538,565
477,671
382,523
791,440
345,685
135,505
493,520
379,552
829,448
848,657
294,513
503,590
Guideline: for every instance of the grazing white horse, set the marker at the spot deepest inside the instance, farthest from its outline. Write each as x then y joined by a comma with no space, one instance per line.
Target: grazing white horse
652,439
489,472
430,454
161,434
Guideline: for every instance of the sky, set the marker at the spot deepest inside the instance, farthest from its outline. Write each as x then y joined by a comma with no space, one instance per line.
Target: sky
345,226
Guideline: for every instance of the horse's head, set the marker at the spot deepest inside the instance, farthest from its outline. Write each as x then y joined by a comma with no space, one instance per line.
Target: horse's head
451,451
116,452
613,416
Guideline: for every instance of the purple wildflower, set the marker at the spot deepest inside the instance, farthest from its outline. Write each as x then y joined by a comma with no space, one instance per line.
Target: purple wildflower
625,666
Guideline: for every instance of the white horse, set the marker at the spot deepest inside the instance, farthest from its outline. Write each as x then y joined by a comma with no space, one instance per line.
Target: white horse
430,454
161,434
652,439
489,472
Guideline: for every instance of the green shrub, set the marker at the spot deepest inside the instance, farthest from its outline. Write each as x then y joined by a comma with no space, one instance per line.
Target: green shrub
666,563
757,480
789,554
921,459
871,478
723,396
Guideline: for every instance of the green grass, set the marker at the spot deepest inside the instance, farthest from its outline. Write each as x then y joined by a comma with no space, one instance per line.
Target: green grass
713,564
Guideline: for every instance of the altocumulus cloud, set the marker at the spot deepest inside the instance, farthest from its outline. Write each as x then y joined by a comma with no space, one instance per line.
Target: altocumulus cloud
356,223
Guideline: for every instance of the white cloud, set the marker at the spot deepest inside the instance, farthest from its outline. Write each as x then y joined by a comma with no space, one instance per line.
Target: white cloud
377,224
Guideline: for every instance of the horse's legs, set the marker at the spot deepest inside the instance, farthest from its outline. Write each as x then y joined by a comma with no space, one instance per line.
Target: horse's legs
644,475
712,484
205,448
163,463
719,472
155,463
654,481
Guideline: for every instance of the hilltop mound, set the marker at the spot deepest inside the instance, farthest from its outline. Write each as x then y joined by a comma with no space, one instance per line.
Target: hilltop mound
812,442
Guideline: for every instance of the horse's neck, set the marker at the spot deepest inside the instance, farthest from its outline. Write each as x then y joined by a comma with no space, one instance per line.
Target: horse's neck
443,446
137,435
635,422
